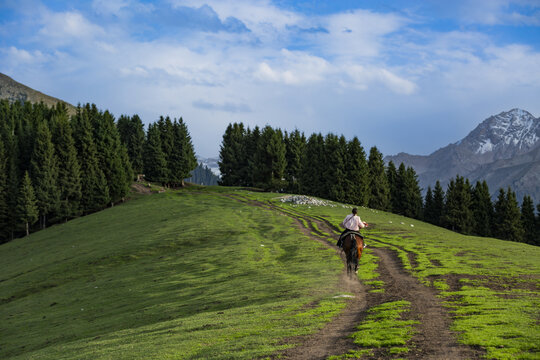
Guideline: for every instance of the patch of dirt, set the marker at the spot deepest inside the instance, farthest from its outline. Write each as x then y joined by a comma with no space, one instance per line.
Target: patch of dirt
141,189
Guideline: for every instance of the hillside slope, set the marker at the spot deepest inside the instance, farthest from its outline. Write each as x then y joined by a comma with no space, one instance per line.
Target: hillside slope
14,91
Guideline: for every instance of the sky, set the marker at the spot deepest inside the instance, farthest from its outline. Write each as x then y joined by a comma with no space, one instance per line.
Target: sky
405,76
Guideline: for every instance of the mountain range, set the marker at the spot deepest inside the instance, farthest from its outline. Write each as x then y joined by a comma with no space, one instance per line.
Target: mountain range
504,150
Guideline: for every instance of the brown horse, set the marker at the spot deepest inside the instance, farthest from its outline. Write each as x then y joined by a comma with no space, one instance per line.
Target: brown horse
353,245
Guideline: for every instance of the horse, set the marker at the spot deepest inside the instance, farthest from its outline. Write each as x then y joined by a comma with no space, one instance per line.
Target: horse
353,245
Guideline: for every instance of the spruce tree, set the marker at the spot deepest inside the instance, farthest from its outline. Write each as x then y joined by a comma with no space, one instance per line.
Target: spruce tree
392,176
482,209
295,144
428,206
438,204
182,161
155,165
44,173
69,171
232,155
334,168
458,212
508,217
270,161
380,192
413,196
166,133
4,208
357,174
95,192
528,220
131,132
247,163
311,180
27,209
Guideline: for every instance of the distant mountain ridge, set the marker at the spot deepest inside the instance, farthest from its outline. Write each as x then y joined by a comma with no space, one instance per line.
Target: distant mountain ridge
14,91
503,150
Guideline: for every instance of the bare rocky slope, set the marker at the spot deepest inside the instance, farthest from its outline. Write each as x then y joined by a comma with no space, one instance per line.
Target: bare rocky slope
503,150
14,91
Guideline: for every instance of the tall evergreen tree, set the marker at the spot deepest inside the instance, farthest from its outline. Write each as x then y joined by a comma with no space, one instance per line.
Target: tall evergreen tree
428,206
458,212
270,160
507,224
182,161
528,220
380,192
131,131
155,165
69,171
438,204
295,144
166,132
4,208
413,196
333,170
27,209
232,155
392,176
44,173
95,192
247,163
311,179
482,209
356,174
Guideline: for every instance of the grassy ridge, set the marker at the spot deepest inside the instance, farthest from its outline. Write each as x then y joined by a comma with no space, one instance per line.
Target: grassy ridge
169,276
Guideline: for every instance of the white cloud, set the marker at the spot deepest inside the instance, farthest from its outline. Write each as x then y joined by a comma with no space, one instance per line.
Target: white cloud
65,27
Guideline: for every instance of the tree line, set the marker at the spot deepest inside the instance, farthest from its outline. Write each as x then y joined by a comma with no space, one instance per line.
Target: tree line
335,168
54,167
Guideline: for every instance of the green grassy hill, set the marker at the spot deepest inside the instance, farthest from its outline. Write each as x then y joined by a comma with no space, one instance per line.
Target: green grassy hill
200,273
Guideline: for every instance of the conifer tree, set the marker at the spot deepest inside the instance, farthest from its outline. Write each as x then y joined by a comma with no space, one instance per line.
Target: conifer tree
247,162
4,208
155,165
27,209
392,176
295,144
334,168
438,204
428,206
95,192
507,224
131,132
311,181
182,160
413,197
166,133
380,192
357,174
44,173
482,209
270,161
458,213
528,220
69,172
109,154
232,155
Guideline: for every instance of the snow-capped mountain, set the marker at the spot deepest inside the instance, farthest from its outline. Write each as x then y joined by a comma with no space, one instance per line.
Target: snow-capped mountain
501,150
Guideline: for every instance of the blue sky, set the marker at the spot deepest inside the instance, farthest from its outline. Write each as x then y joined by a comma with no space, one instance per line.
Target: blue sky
409,76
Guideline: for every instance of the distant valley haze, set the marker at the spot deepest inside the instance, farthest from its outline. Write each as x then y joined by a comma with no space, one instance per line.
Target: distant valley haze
404,76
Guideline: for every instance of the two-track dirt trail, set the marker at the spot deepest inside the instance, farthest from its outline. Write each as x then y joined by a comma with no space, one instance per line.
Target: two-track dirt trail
433,338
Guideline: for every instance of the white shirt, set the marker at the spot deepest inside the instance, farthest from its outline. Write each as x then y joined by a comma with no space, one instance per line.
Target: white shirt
353,222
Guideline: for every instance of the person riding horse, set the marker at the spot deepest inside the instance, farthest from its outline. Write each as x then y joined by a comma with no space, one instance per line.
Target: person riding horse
352,222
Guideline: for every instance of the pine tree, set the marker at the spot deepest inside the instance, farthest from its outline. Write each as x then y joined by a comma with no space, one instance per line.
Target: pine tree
413,196
380,192
182,161
69,172
428,206
44,173
270,161
528,220
458,213
311,179
27,209
295,144
4,208
166,133
507,224
95,192
438,204
232,155
155,165
334,168
357,174
482,209
392,176
131,132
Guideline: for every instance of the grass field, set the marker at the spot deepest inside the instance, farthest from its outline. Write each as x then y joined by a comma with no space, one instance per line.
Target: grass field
196,274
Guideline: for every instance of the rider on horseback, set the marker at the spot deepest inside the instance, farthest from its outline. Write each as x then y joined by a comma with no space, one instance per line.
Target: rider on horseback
352,222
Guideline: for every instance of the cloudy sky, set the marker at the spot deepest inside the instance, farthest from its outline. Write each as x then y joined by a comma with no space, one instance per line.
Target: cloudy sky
408,76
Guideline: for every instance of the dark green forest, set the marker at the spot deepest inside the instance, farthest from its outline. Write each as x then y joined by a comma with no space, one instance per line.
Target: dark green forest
54,167
338,169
